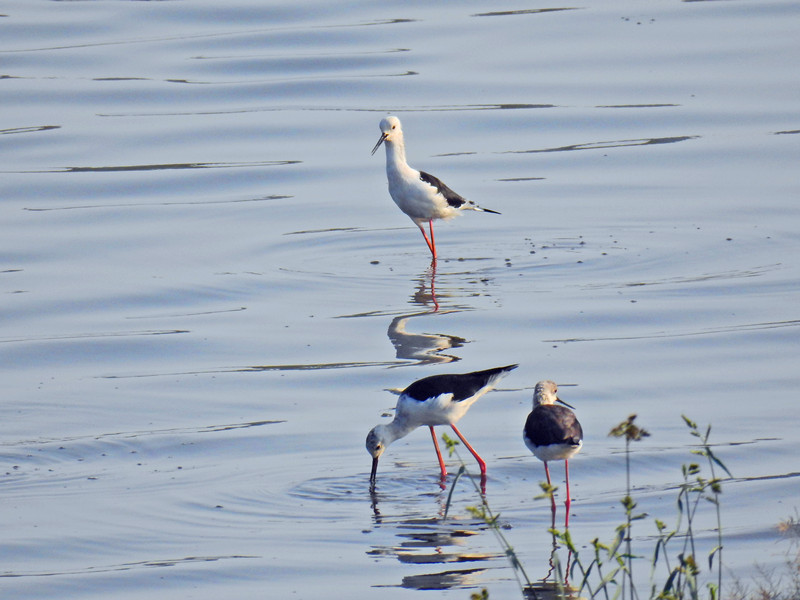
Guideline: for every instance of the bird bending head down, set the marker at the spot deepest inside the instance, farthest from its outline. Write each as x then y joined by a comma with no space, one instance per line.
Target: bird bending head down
376,447
431,401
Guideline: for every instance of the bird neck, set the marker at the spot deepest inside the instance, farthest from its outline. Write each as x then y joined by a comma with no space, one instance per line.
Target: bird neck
397,429
396,155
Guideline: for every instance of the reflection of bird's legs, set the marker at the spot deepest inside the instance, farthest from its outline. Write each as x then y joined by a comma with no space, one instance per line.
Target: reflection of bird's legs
433,285
566,571
568,501
551,563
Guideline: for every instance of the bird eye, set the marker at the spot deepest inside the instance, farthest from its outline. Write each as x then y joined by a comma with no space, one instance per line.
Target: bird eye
394,126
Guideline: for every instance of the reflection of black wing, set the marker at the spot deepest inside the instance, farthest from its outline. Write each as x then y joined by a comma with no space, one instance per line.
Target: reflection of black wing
452,198
553,425
422,347
460,386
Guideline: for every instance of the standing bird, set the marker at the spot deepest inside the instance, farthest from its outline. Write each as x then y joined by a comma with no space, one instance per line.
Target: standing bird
420,195
552,432
434,400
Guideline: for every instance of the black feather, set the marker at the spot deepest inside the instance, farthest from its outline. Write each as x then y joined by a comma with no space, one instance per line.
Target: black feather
461,386
452,198
552,424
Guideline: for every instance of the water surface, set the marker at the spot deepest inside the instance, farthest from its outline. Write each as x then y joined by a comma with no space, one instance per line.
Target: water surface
207,291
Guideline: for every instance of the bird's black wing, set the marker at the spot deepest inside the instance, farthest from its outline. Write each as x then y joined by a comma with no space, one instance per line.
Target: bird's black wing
461,386
553,425
452,198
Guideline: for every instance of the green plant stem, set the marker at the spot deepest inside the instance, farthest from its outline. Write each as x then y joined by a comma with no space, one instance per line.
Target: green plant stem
628,516
489,518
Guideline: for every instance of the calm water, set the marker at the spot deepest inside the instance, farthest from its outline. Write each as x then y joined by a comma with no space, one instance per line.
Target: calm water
207,291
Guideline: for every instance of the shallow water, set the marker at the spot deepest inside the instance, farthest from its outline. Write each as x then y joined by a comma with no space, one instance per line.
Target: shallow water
207,291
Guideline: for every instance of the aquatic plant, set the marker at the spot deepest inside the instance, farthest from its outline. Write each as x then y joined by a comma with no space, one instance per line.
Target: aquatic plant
608,572
683,570
485,514
632,433
772,584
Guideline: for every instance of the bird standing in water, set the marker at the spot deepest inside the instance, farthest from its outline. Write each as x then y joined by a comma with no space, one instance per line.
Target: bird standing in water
420,195
552,432
434,400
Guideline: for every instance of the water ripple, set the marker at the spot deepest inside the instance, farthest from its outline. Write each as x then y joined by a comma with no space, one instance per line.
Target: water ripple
680,334
145,564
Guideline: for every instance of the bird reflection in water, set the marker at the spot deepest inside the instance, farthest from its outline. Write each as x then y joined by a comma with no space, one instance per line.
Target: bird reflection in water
425,348
432,541
441,541
555,584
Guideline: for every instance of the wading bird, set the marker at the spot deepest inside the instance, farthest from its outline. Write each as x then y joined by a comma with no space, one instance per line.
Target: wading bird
552,432
434,400
420,195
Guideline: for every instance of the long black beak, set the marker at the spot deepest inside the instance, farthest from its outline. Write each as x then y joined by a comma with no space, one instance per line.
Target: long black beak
374,472
564,403
380,141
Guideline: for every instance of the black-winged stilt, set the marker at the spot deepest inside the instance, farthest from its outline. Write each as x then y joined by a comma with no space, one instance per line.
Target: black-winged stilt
434,400
552,432
420,195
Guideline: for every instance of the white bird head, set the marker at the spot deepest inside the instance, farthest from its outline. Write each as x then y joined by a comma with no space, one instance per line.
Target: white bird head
377,442
546,392
390,132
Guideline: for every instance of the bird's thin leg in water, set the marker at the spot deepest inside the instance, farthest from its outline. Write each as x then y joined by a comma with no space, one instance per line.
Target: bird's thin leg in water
438,453
431,247
481,464
433,241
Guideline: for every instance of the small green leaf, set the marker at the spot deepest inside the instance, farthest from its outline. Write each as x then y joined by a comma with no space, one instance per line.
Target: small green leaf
670,580
713,591
719,463
711,556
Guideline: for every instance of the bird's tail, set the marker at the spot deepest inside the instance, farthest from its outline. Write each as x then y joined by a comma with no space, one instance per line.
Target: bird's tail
492,376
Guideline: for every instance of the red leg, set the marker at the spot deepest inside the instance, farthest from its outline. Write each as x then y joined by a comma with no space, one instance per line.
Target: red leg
438,454
481,464
431,247
568,501
433,241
